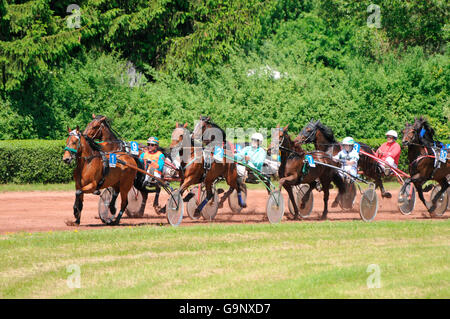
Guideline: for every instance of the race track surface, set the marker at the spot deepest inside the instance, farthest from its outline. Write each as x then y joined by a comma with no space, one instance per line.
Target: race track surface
49,211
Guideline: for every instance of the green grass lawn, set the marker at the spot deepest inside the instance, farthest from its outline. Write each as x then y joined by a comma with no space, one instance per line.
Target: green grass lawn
290,260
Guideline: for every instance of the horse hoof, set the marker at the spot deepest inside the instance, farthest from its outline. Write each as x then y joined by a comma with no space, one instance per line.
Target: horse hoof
323,217
432,209
334,204
196,213
220,191
386,195
157,209
72,223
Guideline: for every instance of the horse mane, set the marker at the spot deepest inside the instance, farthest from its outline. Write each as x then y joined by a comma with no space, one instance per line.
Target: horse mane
95,147
428,139
108,122
326,131
208,121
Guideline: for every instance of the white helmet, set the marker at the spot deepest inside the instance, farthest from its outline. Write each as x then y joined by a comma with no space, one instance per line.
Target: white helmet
258,137
348,141
392,133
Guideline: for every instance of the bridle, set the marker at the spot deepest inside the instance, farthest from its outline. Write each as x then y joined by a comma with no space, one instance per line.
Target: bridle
309,138
74,151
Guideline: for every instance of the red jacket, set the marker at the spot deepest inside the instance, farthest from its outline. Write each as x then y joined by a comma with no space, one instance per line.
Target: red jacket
389,150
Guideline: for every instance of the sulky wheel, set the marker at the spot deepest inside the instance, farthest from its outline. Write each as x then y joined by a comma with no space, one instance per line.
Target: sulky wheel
406,199
136,203
175,208
193,203
209,211
104,211
299,193
275,207
369,205
441,204
233,200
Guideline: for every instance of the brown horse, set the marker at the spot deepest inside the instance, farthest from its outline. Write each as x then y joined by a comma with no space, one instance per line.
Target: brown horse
419,137
285,146
298,172
323,139
100,129
193,169
89,170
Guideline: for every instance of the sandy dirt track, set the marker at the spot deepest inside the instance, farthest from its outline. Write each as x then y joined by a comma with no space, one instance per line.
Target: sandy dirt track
45,211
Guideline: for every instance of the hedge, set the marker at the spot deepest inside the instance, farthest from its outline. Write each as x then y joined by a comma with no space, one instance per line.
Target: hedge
40,161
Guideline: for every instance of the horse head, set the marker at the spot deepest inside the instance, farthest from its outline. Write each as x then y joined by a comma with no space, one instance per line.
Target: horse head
72,145
308,134
96,129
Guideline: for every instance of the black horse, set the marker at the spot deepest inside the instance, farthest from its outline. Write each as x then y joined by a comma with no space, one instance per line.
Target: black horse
323,139
422,152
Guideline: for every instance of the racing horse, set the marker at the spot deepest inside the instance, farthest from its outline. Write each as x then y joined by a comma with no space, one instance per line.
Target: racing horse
210,135
298,172
323,139
192,164
100,129
88,173
419,138
285,147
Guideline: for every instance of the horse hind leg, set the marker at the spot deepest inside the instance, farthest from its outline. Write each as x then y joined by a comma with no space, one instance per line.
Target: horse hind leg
326,195
384,193
112,204
444,185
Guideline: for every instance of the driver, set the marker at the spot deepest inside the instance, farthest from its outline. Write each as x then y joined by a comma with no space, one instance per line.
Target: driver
348,156
389,152
153,159
253,155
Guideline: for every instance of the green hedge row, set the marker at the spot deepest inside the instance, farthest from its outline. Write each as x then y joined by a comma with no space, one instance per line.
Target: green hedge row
33,161
40,161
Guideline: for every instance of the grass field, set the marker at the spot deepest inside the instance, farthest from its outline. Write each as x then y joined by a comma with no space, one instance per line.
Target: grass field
291,260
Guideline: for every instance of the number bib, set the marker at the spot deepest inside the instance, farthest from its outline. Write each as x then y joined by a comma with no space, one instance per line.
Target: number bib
310,160
443,154
218,153
134,148
112,160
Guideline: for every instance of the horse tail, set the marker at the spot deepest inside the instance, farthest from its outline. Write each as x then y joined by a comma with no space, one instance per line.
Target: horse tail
367,164
140,177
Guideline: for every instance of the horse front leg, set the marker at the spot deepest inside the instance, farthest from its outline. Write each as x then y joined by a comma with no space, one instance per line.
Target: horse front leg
290,192
209,196
77,208
326,196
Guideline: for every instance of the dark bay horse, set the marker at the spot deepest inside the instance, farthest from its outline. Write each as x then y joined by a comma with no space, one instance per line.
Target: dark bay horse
297,172
210,135
323,139
419,138
285,146
89,170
